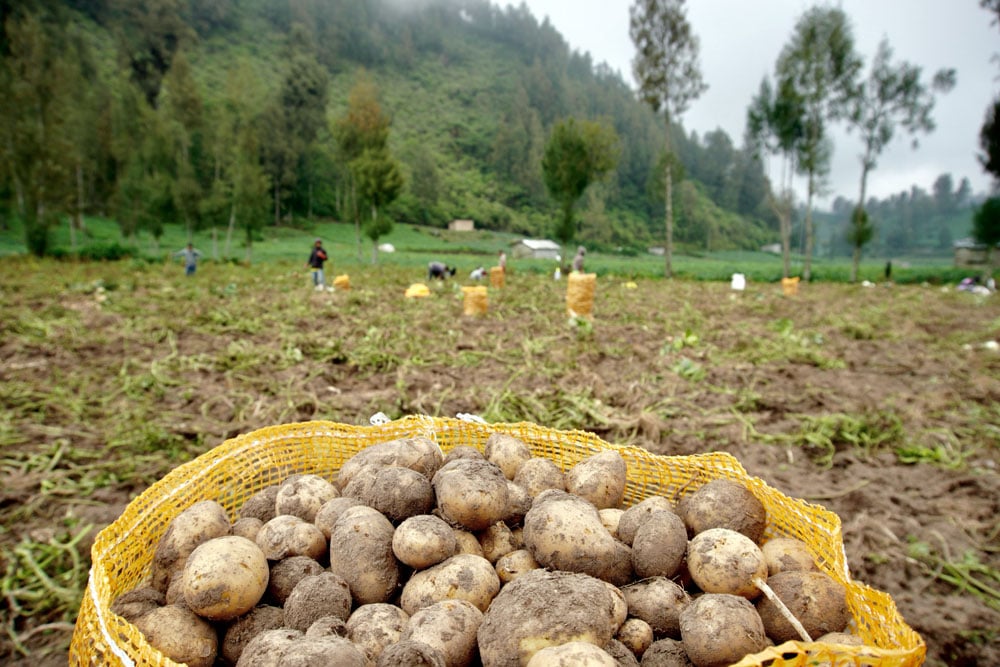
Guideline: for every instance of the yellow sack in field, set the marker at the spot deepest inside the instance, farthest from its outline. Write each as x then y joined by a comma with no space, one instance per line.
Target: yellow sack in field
580,294
475,300
417,290
498,276
235,470
343,281
790,286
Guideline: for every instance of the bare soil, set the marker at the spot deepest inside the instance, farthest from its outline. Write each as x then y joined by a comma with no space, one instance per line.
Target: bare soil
880,404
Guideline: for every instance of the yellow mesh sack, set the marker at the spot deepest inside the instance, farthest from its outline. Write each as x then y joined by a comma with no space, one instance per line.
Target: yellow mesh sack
497,276
790,286
475,300
343,281
580,293
238,468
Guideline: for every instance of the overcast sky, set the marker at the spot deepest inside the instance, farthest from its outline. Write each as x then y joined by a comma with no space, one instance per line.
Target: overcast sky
740,41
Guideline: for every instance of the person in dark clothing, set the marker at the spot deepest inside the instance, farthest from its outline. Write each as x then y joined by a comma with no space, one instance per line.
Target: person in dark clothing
439,271
316,260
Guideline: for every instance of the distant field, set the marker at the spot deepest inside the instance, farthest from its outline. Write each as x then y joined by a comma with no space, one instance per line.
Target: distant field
415,246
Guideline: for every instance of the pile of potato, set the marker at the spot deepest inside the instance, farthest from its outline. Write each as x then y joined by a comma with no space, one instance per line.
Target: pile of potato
410,557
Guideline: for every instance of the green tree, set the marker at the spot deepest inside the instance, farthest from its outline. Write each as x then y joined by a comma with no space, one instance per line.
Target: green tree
775,127
821,64
669,76
293,119
577,154
892,96
379,181
36,102
363,126
989,141
986,229
183,115
149,34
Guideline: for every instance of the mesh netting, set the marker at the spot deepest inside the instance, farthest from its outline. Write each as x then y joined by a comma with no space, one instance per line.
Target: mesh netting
238,468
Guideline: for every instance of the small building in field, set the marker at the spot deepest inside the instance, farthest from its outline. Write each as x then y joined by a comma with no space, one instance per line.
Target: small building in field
972,255
772,248
536,249
462,226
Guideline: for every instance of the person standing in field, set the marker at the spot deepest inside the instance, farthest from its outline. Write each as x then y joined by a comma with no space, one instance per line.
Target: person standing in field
578,260
190,256
316,260
502,261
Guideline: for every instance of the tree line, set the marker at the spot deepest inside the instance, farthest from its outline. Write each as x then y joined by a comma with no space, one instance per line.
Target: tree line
227,116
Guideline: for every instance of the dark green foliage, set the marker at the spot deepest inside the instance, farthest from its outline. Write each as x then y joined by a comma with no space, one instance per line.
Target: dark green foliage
986,223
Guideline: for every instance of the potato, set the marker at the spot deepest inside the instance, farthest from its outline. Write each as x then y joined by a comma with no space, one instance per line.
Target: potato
327,626
723,503
268,648
400,493
518,504
659,602
137,602
787,553
303,495
540,474
514,564
375,626
666,653
461,577
288,572
543,608
331,510
564,532
470,493
361,553
424,540
611,517
199,523
572,654
410,653
467,543
842,638
725,561
497,541
323,652
287,535
814,598
419,453
449,626
247,527
260,505
636,515
659,545
636,635
225,577
599,479
623,656
315,596
719,629
507,452
241,630
463,452
181,635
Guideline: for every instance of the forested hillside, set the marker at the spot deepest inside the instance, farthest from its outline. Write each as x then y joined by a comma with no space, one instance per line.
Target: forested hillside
235,114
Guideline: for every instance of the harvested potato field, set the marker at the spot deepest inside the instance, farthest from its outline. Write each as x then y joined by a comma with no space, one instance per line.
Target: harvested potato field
880,404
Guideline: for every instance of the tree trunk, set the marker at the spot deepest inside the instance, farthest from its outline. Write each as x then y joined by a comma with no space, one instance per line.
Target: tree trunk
229,229
668,250
357,216
856,260
807,263
277,205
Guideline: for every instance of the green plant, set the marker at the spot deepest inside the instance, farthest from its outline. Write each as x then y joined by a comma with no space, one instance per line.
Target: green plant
44,579
966,573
